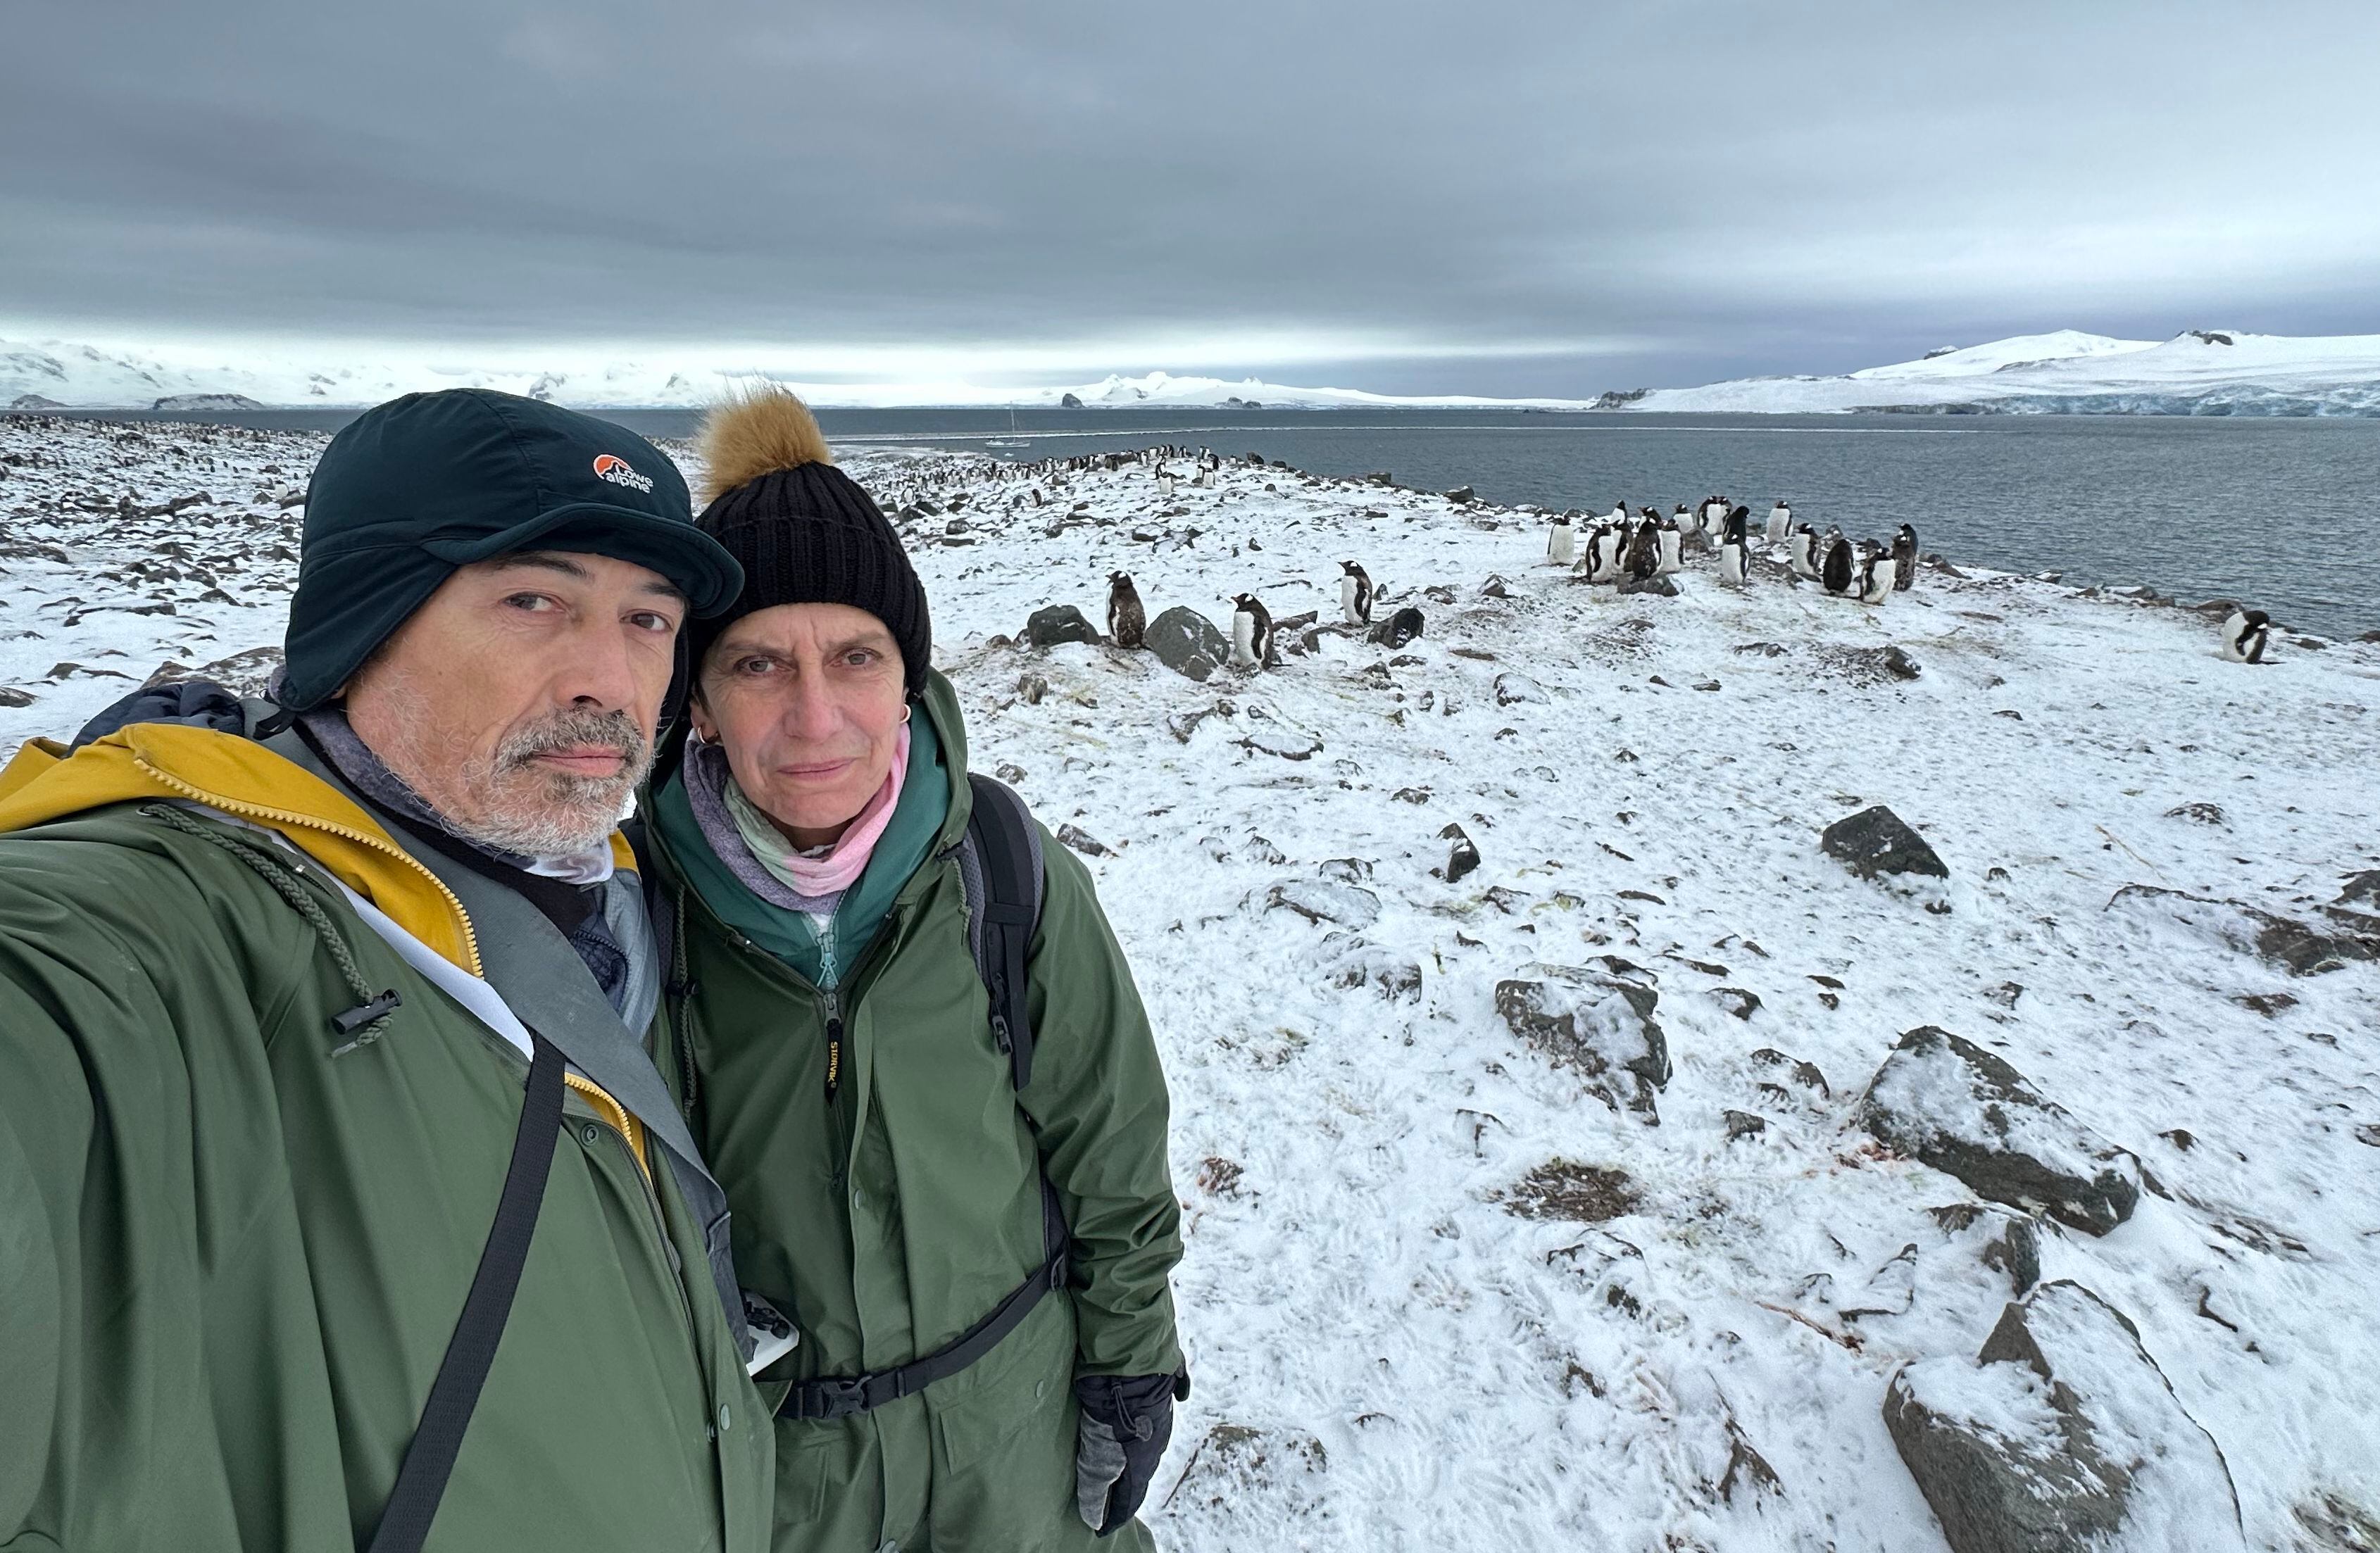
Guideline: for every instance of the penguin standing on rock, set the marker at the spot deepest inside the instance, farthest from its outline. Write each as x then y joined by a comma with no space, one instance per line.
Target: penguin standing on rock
1354,594
1643,551
1732,568
2245,635
1780,523
1804,552
1127,621
1251,633
1561,541
1834,570
1904,558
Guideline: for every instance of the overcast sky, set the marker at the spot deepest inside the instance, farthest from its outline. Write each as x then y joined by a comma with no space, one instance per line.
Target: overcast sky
1553,198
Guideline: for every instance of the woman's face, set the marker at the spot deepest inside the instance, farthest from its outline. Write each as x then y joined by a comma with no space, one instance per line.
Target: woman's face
808,702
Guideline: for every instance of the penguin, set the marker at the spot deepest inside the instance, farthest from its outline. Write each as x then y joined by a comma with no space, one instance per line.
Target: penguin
1874,583
1780,523
1836,573
1643,551
1672,542
2245,635
1604,549
1354,594
1126,620
1804,554
1164,483
1714,512
1561,541
1251,633
1732,548
1618,514
1904,558
1399,629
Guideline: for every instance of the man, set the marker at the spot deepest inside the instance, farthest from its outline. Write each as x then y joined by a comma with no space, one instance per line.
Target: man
269,986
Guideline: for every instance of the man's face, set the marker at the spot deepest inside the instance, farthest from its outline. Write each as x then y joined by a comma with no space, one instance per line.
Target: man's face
519,701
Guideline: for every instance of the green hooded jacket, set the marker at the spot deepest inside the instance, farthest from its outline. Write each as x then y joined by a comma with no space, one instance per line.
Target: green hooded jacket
232,1255
889,1212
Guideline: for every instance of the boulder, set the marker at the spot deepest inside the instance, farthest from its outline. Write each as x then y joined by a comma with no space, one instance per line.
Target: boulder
2062,1434
1462,856
1058,623
1877,841
1187,642
1951,1104
1399,629
1600,1025
1321,901
1517,689
2299,948
2005,1241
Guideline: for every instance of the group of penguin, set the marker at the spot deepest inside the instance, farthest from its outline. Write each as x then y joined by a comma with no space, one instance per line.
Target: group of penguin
1622,549
1252,627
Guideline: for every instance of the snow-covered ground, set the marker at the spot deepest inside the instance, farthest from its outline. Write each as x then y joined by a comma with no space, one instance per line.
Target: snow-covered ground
2200,371
1437,1295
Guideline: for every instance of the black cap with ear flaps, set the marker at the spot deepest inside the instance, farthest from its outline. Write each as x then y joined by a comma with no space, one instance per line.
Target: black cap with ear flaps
412,490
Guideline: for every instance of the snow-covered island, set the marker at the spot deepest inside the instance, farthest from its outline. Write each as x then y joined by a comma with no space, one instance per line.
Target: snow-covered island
2199,371
1670,1177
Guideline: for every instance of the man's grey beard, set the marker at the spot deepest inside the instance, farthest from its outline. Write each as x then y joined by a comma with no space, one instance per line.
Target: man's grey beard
520,809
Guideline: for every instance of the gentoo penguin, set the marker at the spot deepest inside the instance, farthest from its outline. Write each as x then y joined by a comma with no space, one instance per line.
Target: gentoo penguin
2245,636
1874,583
1780,523
1805,551
1835,570
1732,549
1671,541
1354,594
1904,557
1618,514
1643,551
1714,513
1126,620
1561,541
1251,633
1604,549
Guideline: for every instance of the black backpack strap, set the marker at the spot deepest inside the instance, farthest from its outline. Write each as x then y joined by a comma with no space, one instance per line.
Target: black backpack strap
1004,889
430,1459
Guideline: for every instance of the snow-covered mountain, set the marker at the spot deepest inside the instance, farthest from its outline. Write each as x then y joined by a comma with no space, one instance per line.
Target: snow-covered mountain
2199,371
57,374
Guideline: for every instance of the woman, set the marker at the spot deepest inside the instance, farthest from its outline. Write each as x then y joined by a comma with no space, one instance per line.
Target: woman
836,1057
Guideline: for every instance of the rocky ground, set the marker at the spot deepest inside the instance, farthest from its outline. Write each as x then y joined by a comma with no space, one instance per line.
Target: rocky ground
1588,1136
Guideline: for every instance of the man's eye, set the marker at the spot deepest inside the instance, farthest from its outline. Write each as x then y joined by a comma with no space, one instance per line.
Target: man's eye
859,657
649,620
755,666
529,601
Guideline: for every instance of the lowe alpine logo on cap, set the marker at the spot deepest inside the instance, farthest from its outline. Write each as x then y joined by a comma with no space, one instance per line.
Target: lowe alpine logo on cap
612,468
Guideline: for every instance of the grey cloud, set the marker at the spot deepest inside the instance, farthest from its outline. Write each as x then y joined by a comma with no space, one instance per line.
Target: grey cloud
1543,197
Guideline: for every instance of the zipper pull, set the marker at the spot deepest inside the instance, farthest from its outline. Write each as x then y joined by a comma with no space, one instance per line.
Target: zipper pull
1001,1037
833,1058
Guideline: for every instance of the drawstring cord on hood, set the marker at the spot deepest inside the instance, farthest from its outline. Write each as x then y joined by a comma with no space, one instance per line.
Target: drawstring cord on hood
368,1019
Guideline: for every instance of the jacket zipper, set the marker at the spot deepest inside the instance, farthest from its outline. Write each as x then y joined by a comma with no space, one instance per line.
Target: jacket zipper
616,1116
289,817
833,1045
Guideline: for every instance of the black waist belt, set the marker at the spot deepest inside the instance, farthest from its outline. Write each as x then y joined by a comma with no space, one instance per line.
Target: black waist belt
830,1397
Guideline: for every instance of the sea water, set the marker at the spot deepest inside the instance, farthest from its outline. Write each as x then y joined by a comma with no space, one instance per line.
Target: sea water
2275,513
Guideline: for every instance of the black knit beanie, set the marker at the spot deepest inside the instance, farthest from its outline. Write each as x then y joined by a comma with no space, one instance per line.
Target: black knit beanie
803,530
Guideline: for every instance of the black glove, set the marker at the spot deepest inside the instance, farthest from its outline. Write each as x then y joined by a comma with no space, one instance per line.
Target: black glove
199,703
1126,1421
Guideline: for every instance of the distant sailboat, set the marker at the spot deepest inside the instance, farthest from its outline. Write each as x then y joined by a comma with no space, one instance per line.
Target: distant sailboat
1012,440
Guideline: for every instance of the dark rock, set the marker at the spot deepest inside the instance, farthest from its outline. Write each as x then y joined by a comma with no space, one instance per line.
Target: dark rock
1876,840
2269,1004
1031,688
1659,583
1576,1194
1069,402
2361,887
2296,947
1602,1026
1738,1001
2204,814
2005,1241
1900,666
2062,1435
1463,857
1399,629
1187,642
1745,1125
1082,841
1518,689
12,697
1058,623
1949,1104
